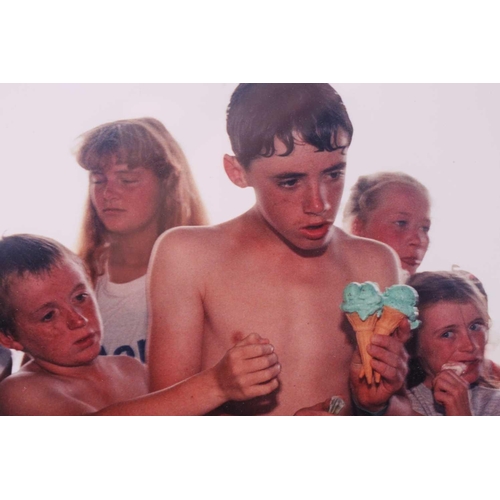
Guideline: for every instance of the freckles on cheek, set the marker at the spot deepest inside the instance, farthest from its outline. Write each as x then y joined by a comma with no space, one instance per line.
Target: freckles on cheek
278,203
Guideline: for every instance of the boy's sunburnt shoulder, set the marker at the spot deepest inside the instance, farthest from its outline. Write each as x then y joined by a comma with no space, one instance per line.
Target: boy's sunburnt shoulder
132,367
358,246
185,237
22,393
372,260
195,242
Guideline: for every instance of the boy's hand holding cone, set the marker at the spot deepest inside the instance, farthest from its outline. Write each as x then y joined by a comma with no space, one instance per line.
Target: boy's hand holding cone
369,312
399,302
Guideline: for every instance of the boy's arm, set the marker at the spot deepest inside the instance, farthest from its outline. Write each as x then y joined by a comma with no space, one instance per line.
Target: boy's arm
175,302
246,371
22,397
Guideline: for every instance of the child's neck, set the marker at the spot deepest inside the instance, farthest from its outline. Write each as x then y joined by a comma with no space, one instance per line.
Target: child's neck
91,370
128,257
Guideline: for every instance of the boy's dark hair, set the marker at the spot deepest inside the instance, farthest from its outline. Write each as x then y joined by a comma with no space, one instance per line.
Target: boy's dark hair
260,112
22,254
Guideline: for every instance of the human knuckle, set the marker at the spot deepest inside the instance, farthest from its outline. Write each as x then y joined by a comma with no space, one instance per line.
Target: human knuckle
233,353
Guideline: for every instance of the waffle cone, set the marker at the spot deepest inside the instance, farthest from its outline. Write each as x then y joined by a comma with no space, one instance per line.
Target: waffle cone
364,331
359,325
363,339
388,321
386,324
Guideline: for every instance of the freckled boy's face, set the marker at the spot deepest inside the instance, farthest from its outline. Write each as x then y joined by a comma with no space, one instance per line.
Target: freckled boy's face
299,195
56,316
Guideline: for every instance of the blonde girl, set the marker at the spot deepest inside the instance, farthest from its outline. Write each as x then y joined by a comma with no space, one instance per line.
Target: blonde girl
140,186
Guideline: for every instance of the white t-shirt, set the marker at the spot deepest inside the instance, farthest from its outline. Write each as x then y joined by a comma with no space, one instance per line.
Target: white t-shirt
125,316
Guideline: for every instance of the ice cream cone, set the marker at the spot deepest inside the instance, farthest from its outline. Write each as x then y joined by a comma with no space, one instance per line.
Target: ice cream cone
364,331
388,321
386,324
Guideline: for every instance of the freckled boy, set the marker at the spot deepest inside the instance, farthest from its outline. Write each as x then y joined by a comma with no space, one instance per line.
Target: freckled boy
279,269
48,310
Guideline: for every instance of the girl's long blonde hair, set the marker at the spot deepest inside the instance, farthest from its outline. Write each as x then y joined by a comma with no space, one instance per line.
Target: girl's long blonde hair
138,142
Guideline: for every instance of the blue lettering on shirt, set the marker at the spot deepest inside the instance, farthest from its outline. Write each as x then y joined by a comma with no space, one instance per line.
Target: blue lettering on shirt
129,351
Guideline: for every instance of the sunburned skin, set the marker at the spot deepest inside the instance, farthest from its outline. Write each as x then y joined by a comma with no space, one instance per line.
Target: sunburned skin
271,291
278,270
402,221
60,327
57,323
81,391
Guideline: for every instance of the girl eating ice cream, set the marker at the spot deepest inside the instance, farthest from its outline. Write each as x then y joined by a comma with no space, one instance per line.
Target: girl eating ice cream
447,375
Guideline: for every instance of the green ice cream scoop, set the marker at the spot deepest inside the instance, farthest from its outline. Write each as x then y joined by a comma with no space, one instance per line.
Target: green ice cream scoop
404,298
362,298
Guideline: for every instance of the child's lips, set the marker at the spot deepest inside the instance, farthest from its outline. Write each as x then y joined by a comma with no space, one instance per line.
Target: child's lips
87,340
411,261
471,364
316,231
113,210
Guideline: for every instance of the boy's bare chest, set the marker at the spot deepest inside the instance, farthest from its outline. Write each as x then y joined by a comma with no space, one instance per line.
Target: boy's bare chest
298,310
280,302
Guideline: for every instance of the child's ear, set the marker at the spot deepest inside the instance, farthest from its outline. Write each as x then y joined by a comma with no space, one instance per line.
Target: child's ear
235,171
6,340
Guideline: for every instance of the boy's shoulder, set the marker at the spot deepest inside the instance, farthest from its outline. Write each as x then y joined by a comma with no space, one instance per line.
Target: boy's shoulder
30,392
187,242
356,246
124,367
368,257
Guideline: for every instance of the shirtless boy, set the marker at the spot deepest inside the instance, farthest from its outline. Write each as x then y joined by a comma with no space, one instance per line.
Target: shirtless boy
279,269
48,310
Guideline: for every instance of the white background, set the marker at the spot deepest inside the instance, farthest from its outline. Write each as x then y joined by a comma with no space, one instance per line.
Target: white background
217,41
445,135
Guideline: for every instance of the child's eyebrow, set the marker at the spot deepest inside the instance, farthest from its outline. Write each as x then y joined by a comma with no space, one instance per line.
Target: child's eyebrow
452,325
408,214
338,166
478,320
287,175
127,171
54,304
80,285
47,305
